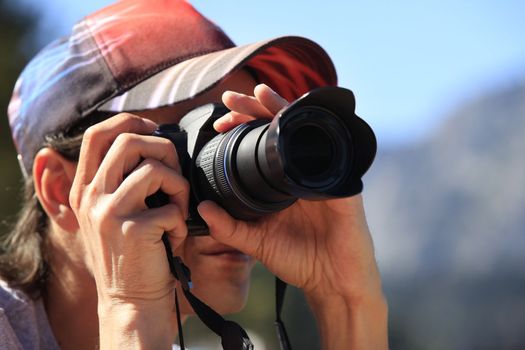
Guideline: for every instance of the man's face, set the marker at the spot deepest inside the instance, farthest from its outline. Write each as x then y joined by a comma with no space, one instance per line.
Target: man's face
220,274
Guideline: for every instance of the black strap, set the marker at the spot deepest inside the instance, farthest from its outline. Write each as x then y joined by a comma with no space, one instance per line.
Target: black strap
233,336
179,323
280,290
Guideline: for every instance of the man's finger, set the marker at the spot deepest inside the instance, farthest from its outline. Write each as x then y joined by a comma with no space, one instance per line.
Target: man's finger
168,218
229,231
125,154
149,177
245,104
231,120
270,99
98,139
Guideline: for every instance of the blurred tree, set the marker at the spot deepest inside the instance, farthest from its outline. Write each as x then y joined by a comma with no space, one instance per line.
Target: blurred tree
16,28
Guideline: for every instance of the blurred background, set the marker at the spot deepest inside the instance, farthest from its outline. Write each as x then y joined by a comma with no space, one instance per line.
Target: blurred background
443,85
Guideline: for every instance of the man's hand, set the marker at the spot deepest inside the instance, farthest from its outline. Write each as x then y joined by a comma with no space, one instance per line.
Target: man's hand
314,245
119,166
323,247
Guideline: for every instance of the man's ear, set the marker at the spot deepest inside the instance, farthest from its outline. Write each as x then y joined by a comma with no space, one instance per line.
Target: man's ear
53,175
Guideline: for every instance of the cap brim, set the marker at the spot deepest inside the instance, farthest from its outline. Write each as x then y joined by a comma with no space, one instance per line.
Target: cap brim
305,63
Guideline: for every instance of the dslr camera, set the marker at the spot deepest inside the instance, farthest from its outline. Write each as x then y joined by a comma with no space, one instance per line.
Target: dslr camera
315,148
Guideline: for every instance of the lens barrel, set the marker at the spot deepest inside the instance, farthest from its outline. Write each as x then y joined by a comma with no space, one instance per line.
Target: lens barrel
316,148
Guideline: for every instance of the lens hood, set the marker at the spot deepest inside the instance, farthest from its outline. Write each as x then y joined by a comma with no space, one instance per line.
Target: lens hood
324,119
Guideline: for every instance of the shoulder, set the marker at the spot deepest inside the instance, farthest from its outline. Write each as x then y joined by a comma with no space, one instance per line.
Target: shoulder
11,299
10,302
23,321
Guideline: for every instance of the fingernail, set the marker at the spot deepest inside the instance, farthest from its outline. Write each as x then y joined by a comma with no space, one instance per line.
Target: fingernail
230,93
219,123
201,208
263,89
263,85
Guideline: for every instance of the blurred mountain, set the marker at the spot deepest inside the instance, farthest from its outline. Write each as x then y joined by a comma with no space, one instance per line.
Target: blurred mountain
448,218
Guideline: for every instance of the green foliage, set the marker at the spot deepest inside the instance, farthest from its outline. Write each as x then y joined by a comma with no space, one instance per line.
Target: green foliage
15,29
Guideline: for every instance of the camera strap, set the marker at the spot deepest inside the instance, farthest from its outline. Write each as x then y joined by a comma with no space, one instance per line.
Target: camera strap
280,290
233,336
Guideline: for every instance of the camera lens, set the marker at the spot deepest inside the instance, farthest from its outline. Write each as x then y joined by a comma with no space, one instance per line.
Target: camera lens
228,172
256,169
310,152
316,148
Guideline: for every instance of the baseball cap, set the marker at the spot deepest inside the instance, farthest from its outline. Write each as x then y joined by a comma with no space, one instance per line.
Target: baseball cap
137,55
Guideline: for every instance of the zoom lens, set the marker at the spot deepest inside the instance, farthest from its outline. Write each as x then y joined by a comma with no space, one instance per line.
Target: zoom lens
315,148
256,169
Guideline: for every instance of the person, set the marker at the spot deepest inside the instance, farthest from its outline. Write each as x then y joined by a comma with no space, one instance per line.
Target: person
85,267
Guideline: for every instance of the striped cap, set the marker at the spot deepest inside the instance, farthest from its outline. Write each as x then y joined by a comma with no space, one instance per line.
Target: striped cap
143,54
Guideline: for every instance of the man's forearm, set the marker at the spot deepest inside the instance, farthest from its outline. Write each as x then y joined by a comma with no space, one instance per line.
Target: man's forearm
356,324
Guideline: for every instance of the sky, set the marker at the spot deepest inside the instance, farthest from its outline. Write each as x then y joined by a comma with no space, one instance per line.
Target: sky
409,63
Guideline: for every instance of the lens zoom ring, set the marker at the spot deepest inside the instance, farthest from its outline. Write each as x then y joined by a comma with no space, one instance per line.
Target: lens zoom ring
224,186
205,161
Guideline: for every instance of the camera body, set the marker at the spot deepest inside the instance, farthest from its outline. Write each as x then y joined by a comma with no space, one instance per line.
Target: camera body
316,148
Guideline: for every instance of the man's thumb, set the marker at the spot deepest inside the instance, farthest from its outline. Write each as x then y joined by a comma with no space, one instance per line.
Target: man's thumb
227,230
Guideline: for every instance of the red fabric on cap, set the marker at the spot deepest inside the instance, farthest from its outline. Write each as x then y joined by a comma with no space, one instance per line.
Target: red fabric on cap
133,39
274,68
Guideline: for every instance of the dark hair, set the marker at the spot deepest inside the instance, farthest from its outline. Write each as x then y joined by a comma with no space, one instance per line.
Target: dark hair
23,260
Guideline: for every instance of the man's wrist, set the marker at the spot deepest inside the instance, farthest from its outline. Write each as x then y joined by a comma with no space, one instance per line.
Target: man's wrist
135,325
351,322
